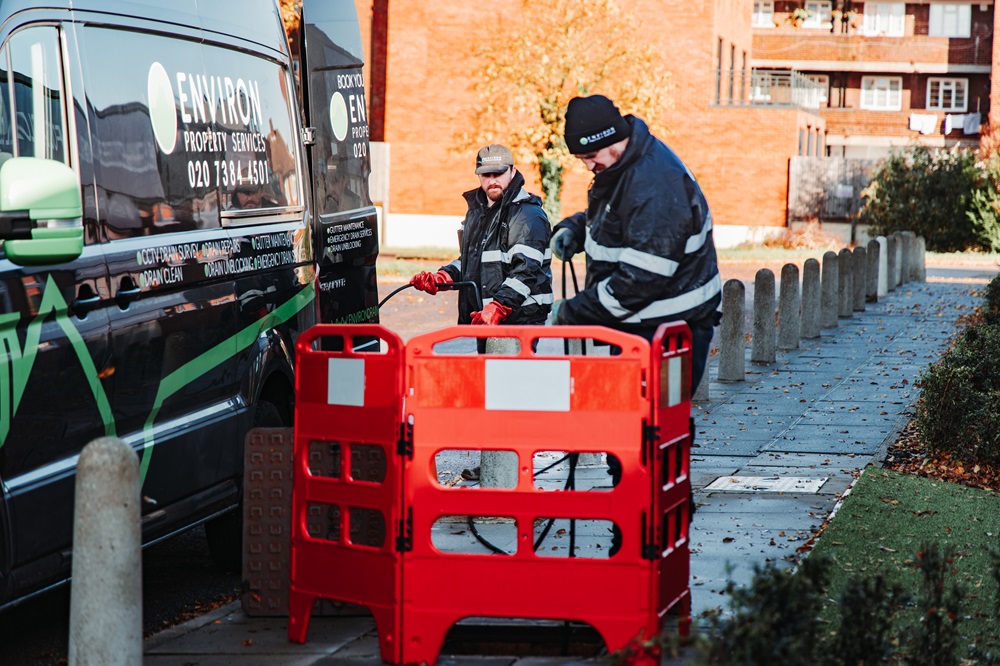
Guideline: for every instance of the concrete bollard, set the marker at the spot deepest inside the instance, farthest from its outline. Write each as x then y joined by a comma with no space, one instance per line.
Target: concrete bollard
899,256
789,318
871,275
890,272
810,299
860,277
908,239
105,627
845,284
883,266
732,333
498,469
762,349
920,260
828,295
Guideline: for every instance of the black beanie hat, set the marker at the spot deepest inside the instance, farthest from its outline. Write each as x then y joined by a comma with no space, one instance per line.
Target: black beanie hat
593,123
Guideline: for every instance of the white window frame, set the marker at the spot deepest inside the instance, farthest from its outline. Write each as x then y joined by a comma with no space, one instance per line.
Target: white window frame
820,14
953,21
824,81
885,18
882,93
958,89
763,14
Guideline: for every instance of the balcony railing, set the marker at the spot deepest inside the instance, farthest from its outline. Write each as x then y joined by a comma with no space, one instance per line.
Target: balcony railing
778,88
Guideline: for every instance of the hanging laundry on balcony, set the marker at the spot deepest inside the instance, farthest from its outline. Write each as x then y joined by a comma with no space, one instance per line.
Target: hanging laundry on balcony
925,123
954,122
971,124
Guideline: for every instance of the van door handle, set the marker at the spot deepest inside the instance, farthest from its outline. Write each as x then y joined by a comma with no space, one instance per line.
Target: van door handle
83,305
125,296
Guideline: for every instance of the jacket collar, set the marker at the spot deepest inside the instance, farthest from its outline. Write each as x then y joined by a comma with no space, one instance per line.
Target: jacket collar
637,144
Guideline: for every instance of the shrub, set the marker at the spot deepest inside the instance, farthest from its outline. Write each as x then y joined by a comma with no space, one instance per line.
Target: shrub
867,608
991,302
774,621
934,640
959,410
984,205
928,192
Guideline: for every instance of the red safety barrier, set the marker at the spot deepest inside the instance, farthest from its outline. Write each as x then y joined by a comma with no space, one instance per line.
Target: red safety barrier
347,484
671,400
634,405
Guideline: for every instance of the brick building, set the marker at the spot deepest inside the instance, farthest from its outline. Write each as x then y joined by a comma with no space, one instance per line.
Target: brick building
757,85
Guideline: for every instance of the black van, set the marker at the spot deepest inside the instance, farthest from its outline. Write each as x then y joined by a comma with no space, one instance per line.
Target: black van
175,207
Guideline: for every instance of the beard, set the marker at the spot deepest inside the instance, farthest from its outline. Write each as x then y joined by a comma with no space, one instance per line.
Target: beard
494,193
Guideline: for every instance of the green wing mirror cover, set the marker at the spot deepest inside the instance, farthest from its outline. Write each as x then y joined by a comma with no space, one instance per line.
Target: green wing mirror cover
47,246
47,189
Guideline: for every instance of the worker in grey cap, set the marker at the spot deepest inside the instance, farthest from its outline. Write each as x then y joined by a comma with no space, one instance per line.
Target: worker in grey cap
647,232
504,249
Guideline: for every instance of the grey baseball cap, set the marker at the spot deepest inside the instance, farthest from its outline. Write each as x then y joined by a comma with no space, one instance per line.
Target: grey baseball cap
493,158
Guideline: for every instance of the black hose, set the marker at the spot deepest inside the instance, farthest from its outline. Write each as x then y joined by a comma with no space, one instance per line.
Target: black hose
443,286
393,293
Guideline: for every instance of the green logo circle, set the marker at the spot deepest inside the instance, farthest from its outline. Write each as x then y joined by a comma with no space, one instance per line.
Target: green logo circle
162,109
584,141
338,116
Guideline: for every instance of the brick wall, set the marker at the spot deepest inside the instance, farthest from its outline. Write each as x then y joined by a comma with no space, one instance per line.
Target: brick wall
740,156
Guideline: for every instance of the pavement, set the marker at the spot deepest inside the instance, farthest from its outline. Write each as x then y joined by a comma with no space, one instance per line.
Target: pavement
774,456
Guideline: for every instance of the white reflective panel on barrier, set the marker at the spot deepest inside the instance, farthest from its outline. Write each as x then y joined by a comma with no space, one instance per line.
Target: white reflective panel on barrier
531,386
345,382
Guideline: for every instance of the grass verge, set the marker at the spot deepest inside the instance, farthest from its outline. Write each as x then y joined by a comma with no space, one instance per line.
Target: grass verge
885,518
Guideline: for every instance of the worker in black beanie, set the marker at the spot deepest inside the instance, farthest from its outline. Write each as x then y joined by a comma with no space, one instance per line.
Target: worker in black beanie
647,232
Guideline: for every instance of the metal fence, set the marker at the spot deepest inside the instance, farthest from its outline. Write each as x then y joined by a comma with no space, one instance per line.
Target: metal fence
763,87
827,188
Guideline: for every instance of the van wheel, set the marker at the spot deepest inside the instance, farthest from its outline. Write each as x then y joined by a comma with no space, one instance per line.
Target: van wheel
225,533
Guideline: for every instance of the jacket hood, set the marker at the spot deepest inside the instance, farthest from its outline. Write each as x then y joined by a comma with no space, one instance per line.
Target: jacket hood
637,145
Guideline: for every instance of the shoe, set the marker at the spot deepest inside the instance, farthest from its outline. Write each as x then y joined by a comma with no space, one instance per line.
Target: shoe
471,474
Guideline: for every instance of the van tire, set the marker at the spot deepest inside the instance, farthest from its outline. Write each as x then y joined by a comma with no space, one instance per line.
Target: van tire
225,533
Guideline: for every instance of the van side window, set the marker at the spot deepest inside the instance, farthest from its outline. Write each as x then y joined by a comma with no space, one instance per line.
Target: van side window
6,127
36,72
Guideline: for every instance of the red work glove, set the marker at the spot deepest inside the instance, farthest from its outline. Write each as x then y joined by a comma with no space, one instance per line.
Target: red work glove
428,282
493,314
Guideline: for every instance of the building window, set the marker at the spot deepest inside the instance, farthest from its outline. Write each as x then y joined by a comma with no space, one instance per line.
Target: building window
763,14
950,20
819,14
885,18
822,82
947,94
882,93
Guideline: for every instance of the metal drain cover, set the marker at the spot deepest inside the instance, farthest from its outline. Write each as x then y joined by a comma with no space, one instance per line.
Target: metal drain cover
767,484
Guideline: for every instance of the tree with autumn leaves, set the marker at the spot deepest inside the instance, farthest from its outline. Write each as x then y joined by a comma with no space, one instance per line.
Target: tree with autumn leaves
291,15
544,55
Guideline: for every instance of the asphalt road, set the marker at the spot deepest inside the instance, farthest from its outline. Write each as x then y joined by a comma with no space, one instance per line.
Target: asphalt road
179,582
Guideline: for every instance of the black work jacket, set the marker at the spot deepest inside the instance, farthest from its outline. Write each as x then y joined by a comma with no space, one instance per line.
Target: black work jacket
505,249
647,233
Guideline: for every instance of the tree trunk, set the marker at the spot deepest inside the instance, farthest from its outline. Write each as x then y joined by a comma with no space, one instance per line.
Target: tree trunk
550,172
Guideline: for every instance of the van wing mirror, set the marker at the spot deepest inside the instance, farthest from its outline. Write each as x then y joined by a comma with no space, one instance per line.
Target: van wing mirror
40,211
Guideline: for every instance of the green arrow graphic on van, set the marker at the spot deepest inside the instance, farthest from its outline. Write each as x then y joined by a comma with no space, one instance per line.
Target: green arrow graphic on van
193,369
17,362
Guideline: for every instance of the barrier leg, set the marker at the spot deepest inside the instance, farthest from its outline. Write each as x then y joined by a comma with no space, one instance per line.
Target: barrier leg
387,625
684,616
300,605
425,637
